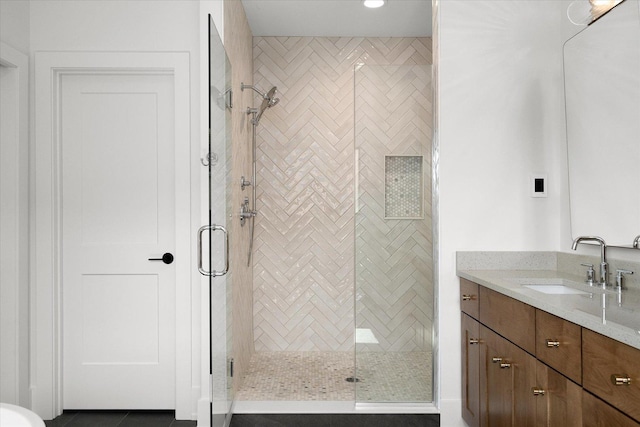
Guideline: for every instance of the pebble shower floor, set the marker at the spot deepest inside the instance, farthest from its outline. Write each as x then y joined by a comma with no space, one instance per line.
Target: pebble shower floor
321,376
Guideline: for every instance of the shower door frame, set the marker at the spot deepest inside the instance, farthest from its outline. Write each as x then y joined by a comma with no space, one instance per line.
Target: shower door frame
46,245
219,215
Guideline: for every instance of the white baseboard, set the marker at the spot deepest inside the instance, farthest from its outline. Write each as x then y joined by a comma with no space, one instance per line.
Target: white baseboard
204,413
330,407
451,413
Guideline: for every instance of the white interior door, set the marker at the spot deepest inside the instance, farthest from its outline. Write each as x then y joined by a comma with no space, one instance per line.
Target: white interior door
118,211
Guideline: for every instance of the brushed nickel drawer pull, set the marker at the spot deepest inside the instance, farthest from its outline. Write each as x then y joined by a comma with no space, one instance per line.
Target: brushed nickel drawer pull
505,365
553,343
468,297
622,379
537,391
496,359
474,341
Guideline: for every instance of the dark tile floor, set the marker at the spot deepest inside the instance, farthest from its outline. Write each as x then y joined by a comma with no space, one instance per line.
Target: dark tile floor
118,419
336,420
166,419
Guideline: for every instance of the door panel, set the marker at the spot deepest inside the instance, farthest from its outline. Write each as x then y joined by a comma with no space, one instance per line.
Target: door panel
470,371
120,319
118,210
507,375
561,403
119,163
496,382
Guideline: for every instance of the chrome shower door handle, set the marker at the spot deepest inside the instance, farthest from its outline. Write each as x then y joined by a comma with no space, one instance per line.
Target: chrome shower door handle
213,273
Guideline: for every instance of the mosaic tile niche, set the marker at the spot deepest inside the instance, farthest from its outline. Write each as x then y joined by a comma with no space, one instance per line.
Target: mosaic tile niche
403,187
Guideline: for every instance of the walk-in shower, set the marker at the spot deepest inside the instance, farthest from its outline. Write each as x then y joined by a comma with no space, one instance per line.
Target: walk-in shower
343,283
249,211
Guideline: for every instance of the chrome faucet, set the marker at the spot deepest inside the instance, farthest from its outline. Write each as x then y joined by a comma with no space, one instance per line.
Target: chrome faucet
620,279
636,241
604,267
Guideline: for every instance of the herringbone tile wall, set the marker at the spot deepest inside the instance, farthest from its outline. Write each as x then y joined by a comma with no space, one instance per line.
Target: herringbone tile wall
238,43
304,245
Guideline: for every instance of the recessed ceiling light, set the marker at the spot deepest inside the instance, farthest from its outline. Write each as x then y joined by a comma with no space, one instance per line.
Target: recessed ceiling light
374,3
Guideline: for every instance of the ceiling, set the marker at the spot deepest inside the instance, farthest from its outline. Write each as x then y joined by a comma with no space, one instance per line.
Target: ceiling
333,18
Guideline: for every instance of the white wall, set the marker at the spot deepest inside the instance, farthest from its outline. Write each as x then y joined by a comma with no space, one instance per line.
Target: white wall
501,119
14,226
14,237
14,24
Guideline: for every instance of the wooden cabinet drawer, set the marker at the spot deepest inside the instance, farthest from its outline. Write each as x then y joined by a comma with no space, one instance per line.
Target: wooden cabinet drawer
469,298
559,345
603,359
511,318
596,413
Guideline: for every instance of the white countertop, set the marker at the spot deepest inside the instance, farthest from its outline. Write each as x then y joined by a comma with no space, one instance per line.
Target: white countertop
609,313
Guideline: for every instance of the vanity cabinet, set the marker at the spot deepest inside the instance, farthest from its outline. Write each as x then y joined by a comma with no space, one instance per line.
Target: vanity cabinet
612,372
524,367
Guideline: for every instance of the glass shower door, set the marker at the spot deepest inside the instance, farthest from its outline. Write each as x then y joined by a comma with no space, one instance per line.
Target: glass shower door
393,234
216,233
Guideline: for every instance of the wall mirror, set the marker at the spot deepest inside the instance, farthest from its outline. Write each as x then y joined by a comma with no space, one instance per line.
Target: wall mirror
602,95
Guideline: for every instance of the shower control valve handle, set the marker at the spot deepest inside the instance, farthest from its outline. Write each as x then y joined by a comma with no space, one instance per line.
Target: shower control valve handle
244,182
246,212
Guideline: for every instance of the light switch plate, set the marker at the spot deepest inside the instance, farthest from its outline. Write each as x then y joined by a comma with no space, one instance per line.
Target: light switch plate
538,183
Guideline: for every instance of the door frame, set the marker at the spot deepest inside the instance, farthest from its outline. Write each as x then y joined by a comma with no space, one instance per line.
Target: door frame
46,225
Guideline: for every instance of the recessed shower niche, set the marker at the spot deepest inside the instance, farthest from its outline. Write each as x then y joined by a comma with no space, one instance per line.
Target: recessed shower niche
403,186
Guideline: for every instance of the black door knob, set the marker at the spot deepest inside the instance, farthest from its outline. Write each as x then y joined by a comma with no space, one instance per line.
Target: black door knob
166,258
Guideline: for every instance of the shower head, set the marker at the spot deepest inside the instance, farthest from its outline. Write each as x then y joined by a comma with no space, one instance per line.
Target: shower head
270,97
268,100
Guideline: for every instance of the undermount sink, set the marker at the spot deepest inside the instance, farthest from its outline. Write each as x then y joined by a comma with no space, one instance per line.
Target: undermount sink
553,286
555,289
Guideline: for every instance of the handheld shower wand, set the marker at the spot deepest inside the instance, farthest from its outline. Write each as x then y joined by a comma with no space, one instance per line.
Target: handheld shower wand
268,101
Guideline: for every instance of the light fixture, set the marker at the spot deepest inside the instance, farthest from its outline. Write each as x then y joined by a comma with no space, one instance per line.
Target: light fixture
584,12
374,3
600,7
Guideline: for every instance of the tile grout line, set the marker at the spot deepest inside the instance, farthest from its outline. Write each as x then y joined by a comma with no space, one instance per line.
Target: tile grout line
123,418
